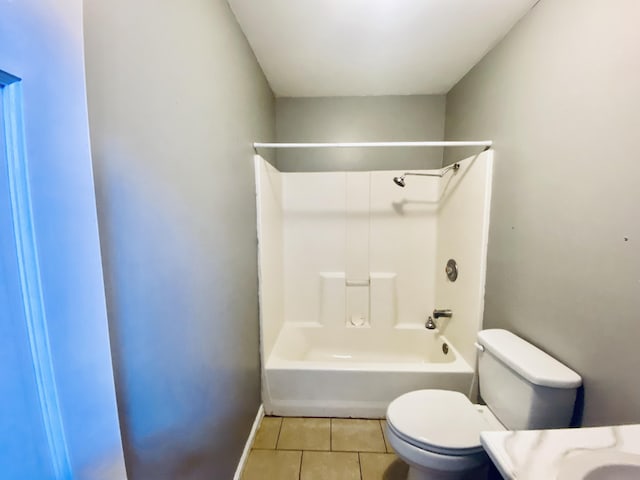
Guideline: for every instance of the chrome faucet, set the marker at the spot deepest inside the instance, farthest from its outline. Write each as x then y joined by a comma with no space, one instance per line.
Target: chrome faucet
430,325
442,313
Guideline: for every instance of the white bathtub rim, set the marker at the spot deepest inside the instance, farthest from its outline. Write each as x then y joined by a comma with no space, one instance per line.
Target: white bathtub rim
457,366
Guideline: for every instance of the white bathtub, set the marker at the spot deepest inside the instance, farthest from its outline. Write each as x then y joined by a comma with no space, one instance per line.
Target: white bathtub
355,372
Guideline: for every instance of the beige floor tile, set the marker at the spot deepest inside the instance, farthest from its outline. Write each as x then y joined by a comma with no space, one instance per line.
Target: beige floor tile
383,424
305,434
267,434
382,466
330,466
349,435
272,464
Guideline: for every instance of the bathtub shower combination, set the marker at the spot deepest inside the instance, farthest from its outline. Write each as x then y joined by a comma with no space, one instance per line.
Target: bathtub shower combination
351,265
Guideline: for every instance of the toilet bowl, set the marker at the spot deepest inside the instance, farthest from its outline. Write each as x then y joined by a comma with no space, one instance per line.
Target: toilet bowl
437,432
442,441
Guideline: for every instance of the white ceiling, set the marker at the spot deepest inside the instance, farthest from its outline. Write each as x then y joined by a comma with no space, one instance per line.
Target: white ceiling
310,48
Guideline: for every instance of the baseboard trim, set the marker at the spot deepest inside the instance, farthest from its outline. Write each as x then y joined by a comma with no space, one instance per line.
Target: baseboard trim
247,446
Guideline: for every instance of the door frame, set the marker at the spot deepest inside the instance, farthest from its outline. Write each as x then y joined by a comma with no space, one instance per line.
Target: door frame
14,141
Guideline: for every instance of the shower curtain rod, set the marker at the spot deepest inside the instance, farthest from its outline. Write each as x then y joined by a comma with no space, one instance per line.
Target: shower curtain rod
480,143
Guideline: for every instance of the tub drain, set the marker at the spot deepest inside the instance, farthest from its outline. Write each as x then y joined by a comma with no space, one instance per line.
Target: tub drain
445,348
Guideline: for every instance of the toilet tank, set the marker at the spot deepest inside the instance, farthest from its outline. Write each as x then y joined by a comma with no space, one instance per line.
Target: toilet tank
523,386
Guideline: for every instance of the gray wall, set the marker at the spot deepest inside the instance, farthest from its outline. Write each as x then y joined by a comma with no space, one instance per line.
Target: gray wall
176,98
355,119
560,98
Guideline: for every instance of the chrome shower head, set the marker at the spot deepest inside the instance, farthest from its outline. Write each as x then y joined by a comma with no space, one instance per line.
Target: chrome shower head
399,181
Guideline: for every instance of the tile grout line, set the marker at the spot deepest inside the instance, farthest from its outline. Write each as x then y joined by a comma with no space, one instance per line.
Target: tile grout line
279,430
300,468
322,451
386,450
331,434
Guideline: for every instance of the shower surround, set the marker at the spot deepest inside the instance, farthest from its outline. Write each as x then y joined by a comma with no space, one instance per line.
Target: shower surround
350,267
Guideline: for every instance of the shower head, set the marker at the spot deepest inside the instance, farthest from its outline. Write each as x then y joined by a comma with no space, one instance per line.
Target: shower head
399,181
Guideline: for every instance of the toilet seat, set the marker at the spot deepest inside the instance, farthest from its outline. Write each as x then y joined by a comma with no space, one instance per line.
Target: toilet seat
440,421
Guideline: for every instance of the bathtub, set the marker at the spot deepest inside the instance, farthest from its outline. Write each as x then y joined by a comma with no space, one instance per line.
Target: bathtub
355,372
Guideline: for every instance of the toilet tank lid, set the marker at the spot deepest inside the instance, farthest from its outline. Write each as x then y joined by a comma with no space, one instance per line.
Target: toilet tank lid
528,360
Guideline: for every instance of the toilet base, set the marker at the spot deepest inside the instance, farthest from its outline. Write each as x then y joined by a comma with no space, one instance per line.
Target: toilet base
429,474
427,465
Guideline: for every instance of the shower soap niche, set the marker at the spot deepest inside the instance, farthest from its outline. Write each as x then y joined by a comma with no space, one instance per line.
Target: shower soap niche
357,305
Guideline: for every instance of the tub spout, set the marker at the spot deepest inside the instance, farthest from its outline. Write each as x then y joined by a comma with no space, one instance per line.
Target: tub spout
442,313
430,325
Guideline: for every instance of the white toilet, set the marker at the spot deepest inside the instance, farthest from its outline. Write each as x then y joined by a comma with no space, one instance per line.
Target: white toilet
437,432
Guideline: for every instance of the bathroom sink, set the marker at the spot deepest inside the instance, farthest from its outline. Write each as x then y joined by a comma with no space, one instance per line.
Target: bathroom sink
605,464
618,472
589,453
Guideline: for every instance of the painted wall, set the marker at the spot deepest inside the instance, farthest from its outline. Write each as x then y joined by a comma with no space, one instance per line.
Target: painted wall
41,42
559,96
355,119
176,98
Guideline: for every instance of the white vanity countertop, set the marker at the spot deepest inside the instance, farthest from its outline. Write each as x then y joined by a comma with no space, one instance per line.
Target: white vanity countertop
538,454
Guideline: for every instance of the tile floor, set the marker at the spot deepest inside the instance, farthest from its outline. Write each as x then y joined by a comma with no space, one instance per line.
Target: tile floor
322,449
